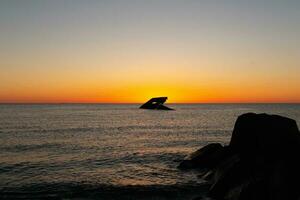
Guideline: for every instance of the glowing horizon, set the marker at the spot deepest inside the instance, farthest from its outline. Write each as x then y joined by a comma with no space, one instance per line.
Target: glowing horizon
130,51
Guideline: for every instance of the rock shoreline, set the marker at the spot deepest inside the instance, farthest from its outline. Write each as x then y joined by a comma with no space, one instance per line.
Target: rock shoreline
261,162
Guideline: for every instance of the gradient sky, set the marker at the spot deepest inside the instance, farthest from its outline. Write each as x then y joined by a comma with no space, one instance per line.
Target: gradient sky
128,51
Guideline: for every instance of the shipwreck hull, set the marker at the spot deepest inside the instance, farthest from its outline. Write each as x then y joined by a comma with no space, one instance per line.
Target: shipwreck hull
156,104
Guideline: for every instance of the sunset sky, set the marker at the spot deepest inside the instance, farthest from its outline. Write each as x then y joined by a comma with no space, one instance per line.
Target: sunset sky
80,51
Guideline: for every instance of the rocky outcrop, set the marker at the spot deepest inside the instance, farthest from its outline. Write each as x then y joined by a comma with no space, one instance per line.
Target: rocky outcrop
156,104
204,158
261,162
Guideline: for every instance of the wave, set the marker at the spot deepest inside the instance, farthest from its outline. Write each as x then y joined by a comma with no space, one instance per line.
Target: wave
93,162
35,129
111,192
29,147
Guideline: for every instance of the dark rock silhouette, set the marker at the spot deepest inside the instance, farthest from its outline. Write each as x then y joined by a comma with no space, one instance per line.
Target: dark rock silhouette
262,161
156,103
203,158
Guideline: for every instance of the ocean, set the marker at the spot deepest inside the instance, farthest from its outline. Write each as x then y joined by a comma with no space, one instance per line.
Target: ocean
111,151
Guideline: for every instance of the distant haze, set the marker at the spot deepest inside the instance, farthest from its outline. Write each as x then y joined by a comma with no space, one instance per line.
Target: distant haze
130,50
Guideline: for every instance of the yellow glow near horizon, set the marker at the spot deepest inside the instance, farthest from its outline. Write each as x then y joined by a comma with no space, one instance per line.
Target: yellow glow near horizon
141,93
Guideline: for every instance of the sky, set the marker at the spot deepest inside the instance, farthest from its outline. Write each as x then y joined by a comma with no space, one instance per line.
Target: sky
126,51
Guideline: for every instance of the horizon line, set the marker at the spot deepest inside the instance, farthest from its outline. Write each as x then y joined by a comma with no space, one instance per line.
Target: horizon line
143,102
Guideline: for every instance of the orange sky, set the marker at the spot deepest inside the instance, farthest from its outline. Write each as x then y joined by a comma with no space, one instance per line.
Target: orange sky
221,92
128,51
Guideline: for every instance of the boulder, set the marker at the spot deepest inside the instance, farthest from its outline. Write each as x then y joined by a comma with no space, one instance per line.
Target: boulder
268,136
206,157
228,178
262,161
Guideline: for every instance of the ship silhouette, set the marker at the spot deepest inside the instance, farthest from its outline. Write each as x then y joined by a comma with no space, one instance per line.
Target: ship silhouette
156,104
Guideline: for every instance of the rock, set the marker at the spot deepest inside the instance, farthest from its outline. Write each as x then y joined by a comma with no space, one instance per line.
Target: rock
270,136
262,161
269,147
226,176
156,104
206,157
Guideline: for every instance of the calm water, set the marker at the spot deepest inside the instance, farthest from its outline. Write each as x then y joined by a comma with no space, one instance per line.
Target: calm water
104,151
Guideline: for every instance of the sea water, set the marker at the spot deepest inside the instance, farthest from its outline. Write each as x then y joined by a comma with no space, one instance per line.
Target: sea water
111,151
